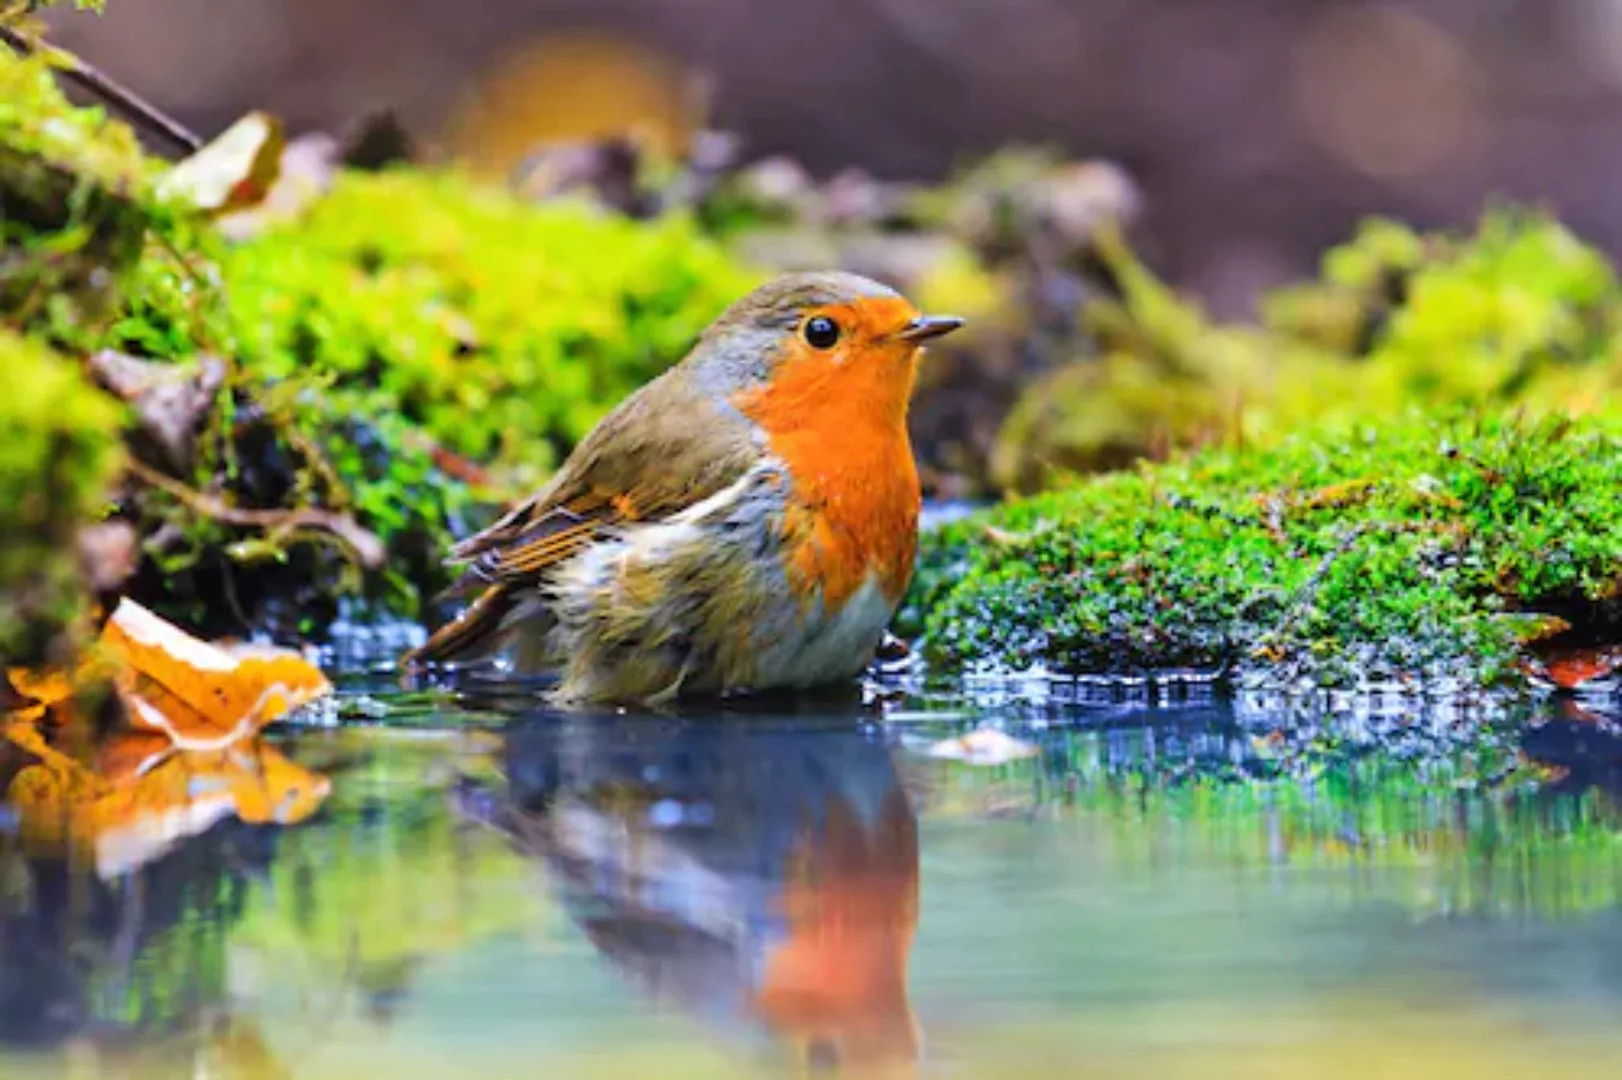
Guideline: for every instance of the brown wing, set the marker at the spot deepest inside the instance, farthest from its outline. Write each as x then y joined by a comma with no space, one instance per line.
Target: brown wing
665,448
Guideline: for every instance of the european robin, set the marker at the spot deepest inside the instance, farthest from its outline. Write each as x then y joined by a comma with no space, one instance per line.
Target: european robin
744,522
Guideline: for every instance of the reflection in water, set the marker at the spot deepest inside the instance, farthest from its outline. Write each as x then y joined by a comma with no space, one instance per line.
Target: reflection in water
1192,891
756,875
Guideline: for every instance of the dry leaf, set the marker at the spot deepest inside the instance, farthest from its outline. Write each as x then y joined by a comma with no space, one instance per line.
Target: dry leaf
43,687
170,401
188,761
199,695
308,165
1572,668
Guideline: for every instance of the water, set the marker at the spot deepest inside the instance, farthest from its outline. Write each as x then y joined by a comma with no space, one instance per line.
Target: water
1110,887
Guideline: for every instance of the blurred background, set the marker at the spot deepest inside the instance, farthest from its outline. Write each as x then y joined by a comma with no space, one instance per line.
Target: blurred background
1259,131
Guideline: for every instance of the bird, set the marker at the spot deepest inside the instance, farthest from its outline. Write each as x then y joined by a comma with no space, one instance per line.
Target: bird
744,523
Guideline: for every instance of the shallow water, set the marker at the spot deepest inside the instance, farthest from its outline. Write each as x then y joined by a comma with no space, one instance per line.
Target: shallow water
1196,887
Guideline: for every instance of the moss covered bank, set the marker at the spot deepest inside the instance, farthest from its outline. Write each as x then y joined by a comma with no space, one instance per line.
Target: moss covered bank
1411,548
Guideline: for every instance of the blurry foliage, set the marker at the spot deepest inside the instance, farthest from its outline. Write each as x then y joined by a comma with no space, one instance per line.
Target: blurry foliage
1409,548
502,330
1521,313
72,187
58,453
17,10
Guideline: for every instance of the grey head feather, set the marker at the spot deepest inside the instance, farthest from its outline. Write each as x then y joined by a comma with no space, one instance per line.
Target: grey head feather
738,348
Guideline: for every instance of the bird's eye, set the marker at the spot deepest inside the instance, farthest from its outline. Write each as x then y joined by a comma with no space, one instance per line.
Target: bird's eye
821,332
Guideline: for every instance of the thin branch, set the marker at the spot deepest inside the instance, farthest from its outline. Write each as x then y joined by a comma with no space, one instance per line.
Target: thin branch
136,107
367,547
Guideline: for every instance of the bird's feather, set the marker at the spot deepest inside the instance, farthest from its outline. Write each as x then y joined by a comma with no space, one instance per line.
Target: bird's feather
666,448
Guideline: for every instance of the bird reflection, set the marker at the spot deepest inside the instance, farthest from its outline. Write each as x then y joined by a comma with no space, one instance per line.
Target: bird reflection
759,875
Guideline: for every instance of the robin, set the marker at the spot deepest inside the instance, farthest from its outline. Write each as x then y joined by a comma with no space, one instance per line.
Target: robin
745,522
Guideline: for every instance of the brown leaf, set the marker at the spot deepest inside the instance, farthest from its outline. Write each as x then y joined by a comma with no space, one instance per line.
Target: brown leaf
308,166
1573,667
983,746
109,554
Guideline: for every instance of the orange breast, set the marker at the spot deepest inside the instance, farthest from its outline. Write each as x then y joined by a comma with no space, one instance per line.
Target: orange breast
841,430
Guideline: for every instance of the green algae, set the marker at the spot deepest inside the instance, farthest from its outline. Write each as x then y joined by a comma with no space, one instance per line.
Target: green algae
59,451
1408,548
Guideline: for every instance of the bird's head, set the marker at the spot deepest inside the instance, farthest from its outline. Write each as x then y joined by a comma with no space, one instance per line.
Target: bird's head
817,345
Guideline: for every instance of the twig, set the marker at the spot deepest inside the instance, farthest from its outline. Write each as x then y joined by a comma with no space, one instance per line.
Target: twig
90,78
367,547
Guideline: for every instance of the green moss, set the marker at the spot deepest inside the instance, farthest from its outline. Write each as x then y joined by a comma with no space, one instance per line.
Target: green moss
1371,553
410,351
1478,319
58,452
504,330
72,185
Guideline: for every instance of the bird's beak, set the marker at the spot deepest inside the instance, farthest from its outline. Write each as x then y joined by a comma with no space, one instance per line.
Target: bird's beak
926,327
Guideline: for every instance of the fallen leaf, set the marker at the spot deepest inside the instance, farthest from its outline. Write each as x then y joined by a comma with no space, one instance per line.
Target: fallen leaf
176,756
109,555
201,696
308,165
234,171
40,687
983,746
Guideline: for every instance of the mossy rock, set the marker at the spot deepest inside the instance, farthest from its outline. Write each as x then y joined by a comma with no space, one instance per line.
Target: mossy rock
59,451
73,187
1414,549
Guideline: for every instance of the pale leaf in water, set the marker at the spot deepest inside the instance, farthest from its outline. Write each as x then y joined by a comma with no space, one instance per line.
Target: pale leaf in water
983,746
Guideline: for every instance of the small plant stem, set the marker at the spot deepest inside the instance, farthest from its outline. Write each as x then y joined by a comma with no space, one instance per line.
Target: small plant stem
126,100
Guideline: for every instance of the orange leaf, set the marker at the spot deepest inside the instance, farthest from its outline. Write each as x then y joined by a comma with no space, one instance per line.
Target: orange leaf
1570,668
202,696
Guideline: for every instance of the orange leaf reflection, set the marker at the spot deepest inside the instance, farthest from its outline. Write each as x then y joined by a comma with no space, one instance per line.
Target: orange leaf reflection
184,759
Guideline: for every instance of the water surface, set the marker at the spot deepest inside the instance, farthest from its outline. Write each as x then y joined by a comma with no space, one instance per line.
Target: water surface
1193,888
